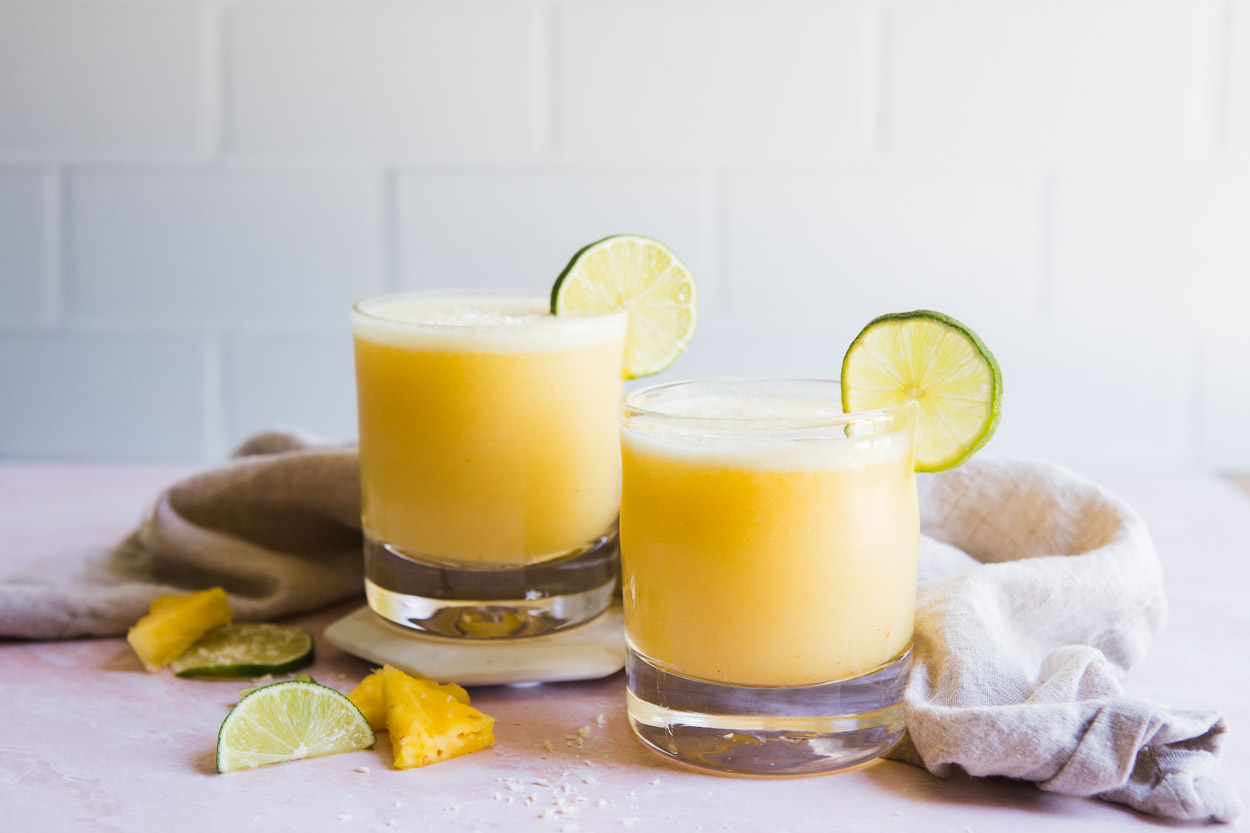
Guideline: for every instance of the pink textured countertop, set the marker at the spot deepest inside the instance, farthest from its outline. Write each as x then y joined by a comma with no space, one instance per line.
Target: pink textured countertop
91,742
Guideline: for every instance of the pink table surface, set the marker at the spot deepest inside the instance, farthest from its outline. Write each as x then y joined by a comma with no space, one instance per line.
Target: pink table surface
89,741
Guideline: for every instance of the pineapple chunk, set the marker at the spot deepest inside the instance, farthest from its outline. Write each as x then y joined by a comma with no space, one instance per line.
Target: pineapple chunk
429,724
368,698
174,622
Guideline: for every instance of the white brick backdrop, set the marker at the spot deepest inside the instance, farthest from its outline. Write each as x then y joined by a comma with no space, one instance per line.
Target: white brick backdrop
193,192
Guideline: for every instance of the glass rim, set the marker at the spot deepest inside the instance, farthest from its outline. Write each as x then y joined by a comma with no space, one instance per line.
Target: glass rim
358,308
781,424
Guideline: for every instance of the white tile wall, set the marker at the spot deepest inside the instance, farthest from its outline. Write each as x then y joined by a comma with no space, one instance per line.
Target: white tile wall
1238,88
673,81
379,82
1224,399
1164,248
192,194
1096,395
90,396
101,80
264,390
174,248
25,243
820,251
481,228
1108,79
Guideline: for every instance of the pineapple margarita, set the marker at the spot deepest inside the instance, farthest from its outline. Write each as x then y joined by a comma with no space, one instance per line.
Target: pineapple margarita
769,543
489,452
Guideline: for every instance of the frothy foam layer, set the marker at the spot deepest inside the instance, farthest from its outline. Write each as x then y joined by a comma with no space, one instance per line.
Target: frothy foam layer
763,432
478,324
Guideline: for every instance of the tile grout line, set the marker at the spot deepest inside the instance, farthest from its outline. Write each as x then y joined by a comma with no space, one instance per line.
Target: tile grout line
1198,349
551,92
214,400
214,66
1218,75
392,275
542,23
878,122
1044,262
715,191
56,244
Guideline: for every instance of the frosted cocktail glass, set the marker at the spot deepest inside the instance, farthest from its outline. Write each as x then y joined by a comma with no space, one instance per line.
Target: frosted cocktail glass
489,462
768,560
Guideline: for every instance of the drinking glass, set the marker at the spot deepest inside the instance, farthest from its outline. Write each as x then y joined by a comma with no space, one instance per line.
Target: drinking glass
489,462
768,553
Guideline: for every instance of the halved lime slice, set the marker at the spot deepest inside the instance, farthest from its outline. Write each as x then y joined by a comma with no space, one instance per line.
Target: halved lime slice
640,275
289,721
939,363
250,650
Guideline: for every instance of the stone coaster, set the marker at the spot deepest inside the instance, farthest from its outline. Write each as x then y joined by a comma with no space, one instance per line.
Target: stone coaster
587,652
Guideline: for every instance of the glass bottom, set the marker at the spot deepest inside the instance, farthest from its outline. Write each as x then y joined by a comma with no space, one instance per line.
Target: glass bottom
741,730
491,603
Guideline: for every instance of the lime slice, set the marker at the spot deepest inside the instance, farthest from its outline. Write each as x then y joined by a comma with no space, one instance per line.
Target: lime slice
289,721
939,363
251,650
642,276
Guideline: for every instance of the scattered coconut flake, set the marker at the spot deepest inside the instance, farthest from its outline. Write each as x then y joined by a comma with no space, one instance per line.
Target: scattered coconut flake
345,817
590,779
531,798
568,788
364,770
655,783
399,804
571,810
589,763
603,802
453,808
600,720
512,785
542,782
548,813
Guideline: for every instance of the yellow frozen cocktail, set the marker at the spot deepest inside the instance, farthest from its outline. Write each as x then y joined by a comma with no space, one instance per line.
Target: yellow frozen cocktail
488,447
768,543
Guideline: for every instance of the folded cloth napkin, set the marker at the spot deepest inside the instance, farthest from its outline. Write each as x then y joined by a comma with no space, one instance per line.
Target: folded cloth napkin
278,527
1038,589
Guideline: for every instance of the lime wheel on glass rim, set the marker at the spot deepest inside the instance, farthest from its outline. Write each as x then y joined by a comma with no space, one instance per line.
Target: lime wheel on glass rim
937,362
641,275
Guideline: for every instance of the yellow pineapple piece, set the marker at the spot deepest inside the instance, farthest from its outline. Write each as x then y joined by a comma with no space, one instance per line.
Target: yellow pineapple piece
368,698
428,724
174,622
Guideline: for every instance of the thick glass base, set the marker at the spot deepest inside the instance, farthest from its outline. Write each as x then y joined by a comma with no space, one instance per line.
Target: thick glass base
491,603
740,730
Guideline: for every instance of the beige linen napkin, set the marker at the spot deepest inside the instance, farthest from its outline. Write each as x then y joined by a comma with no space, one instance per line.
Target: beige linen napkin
1038,589
278,527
